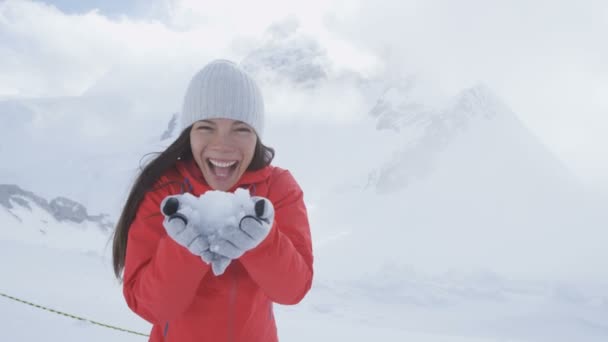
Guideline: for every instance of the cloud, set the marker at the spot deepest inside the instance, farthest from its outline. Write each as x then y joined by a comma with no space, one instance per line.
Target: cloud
49,53
544,58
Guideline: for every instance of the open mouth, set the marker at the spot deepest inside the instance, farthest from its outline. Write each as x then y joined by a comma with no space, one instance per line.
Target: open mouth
222,169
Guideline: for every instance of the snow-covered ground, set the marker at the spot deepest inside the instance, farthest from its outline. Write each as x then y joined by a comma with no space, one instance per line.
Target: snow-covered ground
425,309
389,302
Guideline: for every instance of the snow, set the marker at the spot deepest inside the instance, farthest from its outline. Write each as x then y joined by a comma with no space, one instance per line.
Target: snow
214,213
66,280
216,209
449,308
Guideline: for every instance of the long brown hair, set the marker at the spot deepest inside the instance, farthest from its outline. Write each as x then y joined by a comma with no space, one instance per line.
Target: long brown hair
179,150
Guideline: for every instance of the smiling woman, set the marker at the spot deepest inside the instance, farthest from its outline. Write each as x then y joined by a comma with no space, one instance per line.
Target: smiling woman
167,279
222,149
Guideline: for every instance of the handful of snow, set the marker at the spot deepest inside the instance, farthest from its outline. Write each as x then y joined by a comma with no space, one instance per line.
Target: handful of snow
198,222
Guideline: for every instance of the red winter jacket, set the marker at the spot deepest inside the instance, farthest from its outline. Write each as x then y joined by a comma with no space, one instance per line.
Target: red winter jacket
177,292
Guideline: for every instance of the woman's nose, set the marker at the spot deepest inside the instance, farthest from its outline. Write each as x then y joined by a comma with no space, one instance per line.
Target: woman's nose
220,139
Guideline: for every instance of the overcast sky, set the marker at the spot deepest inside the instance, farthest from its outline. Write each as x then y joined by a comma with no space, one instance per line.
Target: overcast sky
546,59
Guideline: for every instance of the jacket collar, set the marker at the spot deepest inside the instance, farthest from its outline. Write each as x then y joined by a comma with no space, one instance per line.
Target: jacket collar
190,170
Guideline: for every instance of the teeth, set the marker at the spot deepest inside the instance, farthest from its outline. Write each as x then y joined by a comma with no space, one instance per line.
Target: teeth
222,164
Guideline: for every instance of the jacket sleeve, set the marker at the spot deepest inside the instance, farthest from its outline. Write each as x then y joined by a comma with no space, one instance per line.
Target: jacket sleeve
282,265
161,277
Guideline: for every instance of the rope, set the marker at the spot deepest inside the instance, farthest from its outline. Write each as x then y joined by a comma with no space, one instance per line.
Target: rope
72,316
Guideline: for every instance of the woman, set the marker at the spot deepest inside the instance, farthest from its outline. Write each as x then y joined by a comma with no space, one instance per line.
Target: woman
166,280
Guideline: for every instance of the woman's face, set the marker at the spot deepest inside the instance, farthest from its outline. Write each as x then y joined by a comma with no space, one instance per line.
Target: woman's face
222,149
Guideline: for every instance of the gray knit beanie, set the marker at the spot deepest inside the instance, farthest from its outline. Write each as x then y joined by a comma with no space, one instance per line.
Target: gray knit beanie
223,90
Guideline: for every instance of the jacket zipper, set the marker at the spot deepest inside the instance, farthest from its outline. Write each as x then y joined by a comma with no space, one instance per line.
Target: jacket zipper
231,308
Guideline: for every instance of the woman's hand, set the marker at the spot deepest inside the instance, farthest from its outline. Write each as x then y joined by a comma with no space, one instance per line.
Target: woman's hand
253,228
183,224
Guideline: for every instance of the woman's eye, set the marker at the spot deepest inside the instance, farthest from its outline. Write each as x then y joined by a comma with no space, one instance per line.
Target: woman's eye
243,129
204,128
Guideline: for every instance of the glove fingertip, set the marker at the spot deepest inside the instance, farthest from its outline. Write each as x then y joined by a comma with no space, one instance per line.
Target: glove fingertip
260,205
169,206
216,269
219,266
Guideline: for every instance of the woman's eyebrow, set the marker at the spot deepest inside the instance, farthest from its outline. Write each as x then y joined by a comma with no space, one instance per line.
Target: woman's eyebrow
207,122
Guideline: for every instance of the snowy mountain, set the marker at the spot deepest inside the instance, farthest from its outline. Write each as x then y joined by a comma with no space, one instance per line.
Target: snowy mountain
495,137
61,208
458,187
287,56
58,223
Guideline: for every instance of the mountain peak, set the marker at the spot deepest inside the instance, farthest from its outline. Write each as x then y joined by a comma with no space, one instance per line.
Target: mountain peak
288,55
474,122
480,101
403,103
